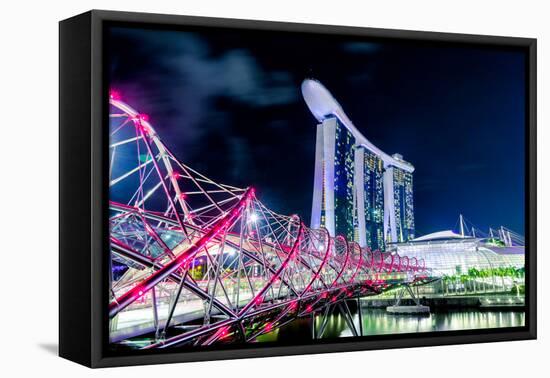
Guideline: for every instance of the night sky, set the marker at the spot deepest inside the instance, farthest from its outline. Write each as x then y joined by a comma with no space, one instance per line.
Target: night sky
228,104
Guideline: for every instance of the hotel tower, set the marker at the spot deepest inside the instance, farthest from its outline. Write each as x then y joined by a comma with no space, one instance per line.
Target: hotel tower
359,191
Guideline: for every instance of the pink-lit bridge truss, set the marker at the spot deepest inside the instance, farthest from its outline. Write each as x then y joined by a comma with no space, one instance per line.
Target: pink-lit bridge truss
195,262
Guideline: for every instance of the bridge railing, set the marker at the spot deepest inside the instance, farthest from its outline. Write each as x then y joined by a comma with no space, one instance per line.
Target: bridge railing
183,244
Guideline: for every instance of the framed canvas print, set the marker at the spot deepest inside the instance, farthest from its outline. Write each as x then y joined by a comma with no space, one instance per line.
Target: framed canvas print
233,188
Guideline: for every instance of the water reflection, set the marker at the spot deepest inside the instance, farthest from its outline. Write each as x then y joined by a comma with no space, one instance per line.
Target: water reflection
379,322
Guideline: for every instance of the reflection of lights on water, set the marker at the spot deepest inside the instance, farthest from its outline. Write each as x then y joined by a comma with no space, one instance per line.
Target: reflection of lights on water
378,322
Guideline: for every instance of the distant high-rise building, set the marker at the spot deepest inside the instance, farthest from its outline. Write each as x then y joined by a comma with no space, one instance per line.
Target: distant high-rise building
399,221
373,194
359,191
404,210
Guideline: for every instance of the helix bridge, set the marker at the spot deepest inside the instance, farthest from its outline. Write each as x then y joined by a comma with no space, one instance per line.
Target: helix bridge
195,262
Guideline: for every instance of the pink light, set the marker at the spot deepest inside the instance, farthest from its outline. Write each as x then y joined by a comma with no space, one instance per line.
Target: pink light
114,95
128,297
309,308
142,126
223,332
144,117
268,327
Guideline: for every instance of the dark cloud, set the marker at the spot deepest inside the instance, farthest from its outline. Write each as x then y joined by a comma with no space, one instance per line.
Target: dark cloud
192,79
361,47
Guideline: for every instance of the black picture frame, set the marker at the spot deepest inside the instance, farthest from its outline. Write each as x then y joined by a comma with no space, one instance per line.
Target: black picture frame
83,196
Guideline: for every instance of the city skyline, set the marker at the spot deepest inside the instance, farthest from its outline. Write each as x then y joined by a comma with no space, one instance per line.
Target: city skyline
215,163
252,95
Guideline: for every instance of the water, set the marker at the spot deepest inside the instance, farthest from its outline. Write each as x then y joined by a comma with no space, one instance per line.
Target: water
376,321
379,322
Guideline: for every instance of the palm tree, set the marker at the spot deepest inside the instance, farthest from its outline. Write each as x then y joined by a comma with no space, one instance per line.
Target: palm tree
501,272
473,273
455,283
464,280
493,272
483,275
446,280
511,273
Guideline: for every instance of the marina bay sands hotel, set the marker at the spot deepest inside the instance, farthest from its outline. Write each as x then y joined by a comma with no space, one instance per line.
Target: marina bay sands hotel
359,191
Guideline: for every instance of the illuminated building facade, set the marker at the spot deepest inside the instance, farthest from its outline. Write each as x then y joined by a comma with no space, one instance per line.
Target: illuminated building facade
359,191
344,196
448,253
370,187
403,207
